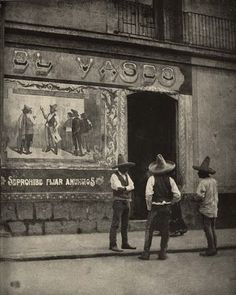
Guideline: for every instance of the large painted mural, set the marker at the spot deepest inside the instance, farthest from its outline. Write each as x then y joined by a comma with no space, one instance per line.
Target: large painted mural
60,122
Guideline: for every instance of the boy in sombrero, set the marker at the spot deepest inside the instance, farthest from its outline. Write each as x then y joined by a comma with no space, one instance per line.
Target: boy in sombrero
207,195
161,193
121,185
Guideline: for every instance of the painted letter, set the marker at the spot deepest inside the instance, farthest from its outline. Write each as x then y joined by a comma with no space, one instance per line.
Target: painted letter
85,65
149,74
129,72
20,63
42,68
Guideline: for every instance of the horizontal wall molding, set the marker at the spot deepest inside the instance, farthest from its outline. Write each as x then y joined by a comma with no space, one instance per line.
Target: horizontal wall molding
33,33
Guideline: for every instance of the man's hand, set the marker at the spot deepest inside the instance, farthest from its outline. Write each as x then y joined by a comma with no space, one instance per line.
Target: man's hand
149,202
121,189
149,205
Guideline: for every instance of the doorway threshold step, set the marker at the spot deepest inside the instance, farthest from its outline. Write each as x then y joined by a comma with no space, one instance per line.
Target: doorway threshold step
137,225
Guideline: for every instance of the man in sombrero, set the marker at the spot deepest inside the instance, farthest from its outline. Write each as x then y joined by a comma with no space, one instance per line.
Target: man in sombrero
25,136
161,192
207,195
51,129
121,185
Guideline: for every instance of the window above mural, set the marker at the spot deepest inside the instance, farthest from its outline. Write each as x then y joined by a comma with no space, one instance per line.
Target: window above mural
53,124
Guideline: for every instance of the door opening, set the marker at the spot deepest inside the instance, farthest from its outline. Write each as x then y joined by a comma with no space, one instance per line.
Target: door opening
151,131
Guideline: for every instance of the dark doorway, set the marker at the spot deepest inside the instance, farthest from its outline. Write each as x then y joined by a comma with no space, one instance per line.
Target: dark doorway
151,131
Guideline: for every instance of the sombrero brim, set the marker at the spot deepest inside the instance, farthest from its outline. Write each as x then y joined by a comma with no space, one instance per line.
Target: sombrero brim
27,109
157,170
209,170
127,164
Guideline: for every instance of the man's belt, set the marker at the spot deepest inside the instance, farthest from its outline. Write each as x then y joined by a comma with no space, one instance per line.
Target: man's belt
161,203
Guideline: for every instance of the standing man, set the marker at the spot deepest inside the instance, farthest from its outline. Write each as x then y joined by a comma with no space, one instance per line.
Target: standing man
26,124
68,145
86,131
207,195
51,129
76,133
161,192
122,185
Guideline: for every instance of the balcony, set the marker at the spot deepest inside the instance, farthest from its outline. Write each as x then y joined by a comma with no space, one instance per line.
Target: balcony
188,28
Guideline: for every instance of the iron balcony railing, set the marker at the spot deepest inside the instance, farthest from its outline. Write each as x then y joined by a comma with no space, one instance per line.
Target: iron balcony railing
188,28
136,19
209,31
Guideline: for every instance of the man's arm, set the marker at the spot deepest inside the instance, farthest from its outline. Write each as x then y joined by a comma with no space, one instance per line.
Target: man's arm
116,184
130,185
149,192
42,110
201,191
175,191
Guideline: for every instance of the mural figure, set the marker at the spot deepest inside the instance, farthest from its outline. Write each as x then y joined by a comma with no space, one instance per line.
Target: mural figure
67,128
51,129
78,123
76,133
25,126
86,127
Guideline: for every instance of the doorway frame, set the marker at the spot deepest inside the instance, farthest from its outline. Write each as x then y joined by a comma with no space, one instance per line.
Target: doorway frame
184,136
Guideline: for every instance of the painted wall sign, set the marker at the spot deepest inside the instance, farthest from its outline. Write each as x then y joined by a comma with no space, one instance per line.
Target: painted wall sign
62,123
54,180
72,67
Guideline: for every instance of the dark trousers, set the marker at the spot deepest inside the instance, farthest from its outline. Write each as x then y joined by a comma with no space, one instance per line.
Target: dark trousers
177,223
120,215
209,229
26,143
77,142
158,217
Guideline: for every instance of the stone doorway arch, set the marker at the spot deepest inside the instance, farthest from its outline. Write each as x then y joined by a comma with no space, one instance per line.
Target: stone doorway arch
184,134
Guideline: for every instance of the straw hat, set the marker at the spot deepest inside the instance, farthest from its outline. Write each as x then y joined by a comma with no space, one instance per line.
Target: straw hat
84,116
70,114
53,107
160,166
205,166
74,112
26,109
122,163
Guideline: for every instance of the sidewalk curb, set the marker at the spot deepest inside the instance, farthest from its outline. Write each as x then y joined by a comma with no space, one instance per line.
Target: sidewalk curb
105,254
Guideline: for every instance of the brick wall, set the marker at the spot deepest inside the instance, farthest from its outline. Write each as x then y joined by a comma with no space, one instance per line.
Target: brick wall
39,218
75,217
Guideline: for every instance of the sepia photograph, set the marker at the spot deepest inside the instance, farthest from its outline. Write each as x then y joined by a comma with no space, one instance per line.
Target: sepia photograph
118,147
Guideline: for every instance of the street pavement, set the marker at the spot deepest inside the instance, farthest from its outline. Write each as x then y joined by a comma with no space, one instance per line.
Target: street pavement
96,244
180,274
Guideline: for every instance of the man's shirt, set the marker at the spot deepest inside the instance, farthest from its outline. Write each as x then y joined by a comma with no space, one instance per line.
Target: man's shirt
115,182
207,192
149,191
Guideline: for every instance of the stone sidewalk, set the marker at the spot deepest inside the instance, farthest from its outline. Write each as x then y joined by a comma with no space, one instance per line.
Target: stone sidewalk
96,245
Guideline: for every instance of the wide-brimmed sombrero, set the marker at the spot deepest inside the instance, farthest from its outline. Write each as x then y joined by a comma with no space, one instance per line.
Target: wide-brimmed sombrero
74,112
204,167
161,166
26,109
53,106
122,163
84,116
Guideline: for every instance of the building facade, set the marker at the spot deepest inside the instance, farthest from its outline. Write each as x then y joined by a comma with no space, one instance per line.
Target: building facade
144,78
